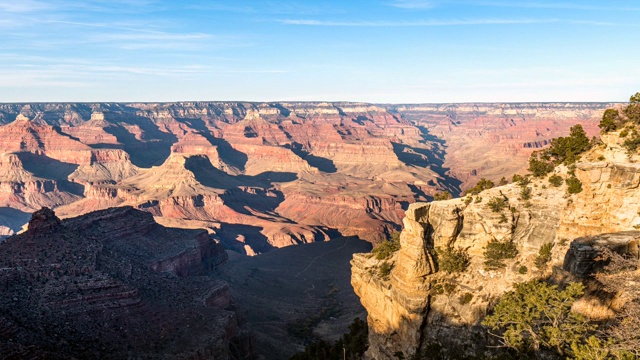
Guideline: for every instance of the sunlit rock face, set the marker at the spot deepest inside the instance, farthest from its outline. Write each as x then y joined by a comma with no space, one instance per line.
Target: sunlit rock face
263,175
419,304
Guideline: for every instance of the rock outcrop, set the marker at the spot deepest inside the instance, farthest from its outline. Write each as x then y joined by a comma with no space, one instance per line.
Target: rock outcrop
190,161
114,283
418,305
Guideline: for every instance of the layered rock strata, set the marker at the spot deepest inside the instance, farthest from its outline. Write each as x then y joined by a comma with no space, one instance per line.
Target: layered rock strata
418,304
114,284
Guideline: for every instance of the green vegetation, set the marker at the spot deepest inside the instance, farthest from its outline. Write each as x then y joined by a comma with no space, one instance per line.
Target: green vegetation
538,166
632,143
544,255
503,181
523,270
465,298
555,180
516,178
497,204
536,316
632,111
481,186
611,121
452,260
442,196
350,346
525,193
574,186
388,247
385,270
566,149
496,252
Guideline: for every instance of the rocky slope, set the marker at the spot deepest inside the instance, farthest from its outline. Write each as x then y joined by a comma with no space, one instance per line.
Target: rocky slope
114,284
485,140
419,307
261,175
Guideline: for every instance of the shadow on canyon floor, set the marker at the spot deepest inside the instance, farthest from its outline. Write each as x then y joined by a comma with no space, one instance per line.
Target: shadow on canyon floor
290,293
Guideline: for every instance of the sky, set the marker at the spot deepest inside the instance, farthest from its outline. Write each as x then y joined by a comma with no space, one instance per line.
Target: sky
380,51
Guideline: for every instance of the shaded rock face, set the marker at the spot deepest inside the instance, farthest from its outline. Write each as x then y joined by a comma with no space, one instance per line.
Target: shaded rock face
114,284
419,305
584,257
262,175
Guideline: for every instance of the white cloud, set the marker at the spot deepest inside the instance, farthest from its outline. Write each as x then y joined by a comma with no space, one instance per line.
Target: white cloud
412,4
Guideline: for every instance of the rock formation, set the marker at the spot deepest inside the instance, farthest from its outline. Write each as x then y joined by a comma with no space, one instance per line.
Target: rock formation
114,284
418,305
261,175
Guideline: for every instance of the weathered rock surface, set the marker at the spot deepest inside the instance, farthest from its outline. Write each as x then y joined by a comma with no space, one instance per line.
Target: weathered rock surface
114,284
261,175
419,305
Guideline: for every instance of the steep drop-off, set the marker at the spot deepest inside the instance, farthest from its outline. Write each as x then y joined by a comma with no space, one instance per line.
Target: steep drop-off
263,175
114,284
418,305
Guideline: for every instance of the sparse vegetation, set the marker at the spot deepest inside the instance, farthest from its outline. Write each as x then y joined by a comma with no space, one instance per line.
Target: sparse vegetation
611,121
496,252
385,269
497,204
555,180
632,143
544,255
385,249
523,270
574,186
481,186
536,316
540,167
452,260
442,196
465,298
525,193
350,346
503,181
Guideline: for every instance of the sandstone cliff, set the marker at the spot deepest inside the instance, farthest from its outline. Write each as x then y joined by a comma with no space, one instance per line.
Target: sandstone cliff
418,304
260,175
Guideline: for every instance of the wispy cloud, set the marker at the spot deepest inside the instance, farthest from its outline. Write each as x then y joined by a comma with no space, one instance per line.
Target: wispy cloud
551,5
424,23
412,4
23,6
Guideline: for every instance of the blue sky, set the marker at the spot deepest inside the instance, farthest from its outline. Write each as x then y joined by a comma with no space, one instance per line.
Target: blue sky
387,51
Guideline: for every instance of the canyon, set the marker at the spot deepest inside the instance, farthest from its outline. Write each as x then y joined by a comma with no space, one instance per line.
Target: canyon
419,309
261,176
114,283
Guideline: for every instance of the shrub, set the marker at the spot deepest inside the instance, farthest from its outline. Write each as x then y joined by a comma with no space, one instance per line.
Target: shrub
503,219
503,181
523,270
544,255
442,196
496,252
574,186
536,316
385,269
387,247
525,193
452,260
610,120
497,204
632,111
465,298
516,178
555,180
538,167
482,185
566,149
468,200
633,142
478,200
624,133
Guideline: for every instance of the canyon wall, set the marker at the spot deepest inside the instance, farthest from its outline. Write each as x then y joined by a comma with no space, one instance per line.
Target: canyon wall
263,175
114,283
418,305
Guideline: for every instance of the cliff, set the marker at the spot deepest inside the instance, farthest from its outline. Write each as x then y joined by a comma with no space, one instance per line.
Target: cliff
419,306
114,284
261,175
